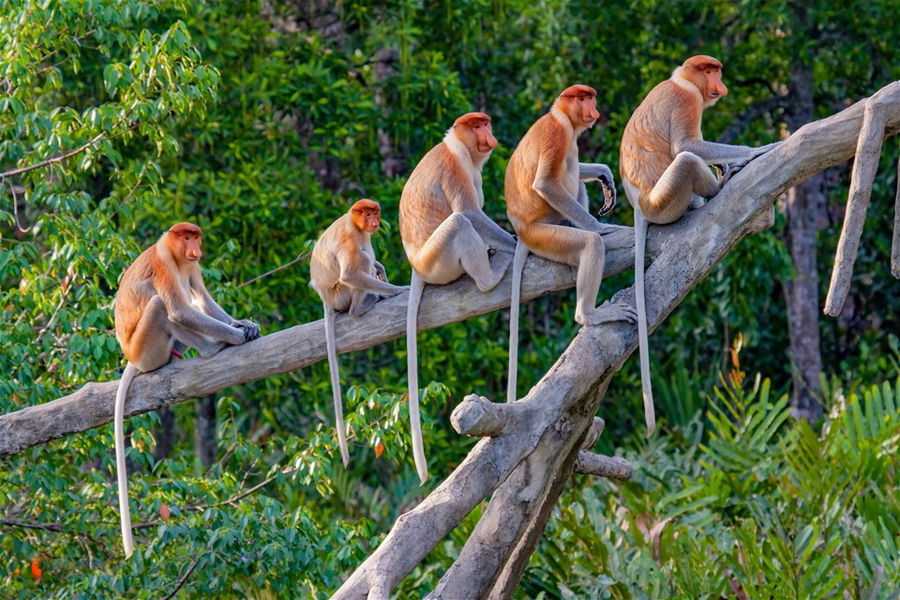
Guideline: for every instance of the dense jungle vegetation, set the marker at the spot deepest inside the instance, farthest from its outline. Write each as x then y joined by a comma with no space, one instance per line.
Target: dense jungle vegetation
262,121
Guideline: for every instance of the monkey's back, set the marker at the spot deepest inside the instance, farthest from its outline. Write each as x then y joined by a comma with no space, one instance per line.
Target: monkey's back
423,203
523,204
135,291
324,267
646,148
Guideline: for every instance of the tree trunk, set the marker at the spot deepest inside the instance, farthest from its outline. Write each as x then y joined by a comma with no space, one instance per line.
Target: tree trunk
805,202
205,430
164,433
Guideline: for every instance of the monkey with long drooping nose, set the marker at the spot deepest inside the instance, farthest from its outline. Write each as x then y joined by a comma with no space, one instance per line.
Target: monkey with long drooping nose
446,233
162,308
347,277
547,204
664,165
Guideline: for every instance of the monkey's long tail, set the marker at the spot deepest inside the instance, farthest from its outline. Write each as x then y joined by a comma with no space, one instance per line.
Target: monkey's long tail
517,267
640,243
121,472
331,348
416,286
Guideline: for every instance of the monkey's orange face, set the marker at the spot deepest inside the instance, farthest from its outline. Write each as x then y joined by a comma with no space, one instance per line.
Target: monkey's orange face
713,87
581,109
484,138
367,219
189,247
587,109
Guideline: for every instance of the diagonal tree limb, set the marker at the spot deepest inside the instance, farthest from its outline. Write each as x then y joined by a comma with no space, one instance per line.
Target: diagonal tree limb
690,248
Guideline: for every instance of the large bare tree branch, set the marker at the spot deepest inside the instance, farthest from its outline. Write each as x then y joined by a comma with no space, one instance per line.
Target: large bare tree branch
537,448
287,350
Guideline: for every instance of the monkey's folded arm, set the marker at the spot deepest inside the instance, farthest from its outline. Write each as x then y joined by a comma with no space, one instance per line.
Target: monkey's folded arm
183,315
715,153
363,281
559,198
489,231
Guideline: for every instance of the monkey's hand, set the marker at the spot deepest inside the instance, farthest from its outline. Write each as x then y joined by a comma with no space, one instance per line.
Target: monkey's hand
609,195
250,329
724,172
603,174
398,289
380,273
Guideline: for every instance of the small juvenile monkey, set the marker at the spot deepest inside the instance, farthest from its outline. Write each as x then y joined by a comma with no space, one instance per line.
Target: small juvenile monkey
346,275
547,204
446,233
663,162
162,308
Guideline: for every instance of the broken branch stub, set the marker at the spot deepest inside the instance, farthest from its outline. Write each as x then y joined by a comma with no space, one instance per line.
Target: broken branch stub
868,150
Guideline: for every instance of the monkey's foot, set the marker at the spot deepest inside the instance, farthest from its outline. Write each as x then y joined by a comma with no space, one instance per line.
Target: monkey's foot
696,202
608,313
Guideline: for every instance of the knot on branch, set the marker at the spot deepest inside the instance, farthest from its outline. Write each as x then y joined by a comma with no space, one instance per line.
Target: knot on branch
593,434
479,417
613,467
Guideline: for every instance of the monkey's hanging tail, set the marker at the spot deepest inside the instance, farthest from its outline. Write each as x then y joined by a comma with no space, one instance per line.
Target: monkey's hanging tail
416,286
640,243
331,348
517,267
121,473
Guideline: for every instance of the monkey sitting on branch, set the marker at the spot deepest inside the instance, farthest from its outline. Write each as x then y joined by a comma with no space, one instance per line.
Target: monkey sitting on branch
446,234
347,277
547,204
162,309
664,162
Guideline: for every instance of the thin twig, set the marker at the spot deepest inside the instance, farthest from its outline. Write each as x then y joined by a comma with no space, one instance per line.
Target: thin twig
54,527
181,580
102,136
52,321
44,163
301,256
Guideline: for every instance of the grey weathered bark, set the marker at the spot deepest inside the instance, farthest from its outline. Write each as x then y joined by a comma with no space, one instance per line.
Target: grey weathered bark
205,430
868,150
804,202
289,350
533,459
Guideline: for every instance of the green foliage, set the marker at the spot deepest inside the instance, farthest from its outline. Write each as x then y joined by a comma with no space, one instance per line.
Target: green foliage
749,502
262,122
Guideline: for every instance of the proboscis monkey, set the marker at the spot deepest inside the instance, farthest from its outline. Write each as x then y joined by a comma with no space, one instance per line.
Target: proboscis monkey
347,277
547,204
162,308
663,162
447,234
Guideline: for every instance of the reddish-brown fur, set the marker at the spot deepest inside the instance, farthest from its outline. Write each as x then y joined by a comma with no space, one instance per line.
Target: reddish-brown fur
344,246
153,271
669,113
421,211
550,145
